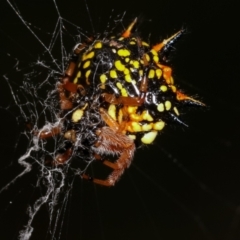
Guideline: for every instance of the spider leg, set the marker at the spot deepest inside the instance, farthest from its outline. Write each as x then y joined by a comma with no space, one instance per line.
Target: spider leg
64,157
66,84
54,131
112,142
44,134
106,162
65,103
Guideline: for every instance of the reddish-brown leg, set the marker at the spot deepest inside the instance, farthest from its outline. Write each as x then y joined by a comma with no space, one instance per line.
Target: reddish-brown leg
66,84
112,142
44,134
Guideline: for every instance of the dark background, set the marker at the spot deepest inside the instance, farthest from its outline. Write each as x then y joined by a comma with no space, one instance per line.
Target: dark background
184,186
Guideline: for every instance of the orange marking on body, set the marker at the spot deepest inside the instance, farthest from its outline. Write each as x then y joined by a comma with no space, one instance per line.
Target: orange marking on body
159,46
167,72
181,97
127,33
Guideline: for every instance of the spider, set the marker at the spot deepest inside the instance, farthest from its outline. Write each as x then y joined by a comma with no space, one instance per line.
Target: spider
115,92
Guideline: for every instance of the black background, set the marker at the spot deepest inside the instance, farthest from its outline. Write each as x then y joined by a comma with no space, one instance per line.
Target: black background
185,186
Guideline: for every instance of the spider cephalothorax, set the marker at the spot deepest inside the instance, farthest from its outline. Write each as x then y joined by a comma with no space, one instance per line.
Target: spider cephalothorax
114,92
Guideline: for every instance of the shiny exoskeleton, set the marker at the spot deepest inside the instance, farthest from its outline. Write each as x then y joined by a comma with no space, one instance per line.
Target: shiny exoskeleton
115,92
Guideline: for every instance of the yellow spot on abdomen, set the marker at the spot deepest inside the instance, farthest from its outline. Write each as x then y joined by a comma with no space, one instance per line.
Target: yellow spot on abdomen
154,53
124,92
145,44
147,57
168,105
149,137
98,45
88,56
123,52
160,107
159,125
128,78
146,127
132,110
119,66
119,85
86,64
103,78
79,73
158,73
77,114
163,88
135,63
134,127
88,72
176,111
174,89
135,117
126,71
151,74
155,59
140,72
146,116
113,74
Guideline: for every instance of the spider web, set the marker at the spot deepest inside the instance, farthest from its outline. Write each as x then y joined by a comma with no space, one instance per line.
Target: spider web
180,186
